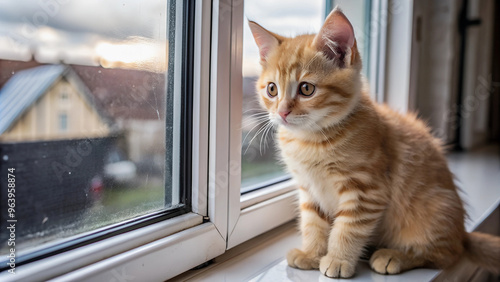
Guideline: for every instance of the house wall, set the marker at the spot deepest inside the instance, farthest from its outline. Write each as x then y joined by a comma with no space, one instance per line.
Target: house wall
41,121
145,143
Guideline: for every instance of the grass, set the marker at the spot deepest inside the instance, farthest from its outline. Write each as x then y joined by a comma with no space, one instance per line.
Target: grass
121,203
115,205
120,198
255,172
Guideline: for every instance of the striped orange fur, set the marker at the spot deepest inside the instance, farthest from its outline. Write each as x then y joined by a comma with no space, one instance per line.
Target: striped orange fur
369,175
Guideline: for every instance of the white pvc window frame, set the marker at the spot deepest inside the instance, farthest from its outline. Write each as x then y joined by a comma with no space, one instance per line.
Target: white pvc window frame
221,217
247,214
165,249
397,82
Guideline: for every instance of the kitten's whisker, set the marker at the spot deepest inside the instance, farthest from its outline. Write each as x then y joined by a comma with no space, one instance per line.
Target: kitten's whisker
246,116
257,114
256,121
257,110
264,137
322,132
256,134
261,139
255,117
250,119
271,127
252,122
327,139
250,131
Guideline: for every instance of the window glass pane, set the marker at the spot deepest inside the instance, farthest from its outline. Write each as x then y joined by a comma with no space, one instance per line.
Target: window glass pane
358,12
83,116
63,122
284,17
259,161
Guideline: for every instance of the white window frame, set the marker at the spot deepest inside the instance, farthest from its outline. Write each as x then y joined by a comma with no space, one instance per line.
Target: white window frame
397,85
221,218
165,249
247,214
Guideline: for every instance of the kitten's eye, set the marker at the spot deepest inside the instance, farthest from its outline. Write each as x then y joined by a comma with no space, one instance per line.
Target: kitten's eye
306,89
272,90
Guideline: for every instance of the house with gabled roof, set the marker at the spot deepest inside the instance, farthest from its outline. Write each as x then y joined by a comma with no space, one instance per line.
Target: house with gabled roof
50,102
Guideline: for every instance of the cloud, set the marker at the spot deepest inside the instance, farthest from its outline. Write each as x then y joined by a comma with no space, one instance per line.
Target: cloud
69,31
110,18
287,17
11,50
284,17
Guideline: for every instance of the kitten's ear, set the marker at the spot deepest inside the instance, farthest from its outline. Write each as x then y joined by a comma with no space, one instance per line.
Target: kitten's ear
336,37
266,40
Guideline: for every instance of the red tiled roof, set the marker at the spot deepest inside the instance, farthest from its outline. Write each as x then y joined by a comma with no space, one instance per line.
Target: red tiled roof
123,94
127,94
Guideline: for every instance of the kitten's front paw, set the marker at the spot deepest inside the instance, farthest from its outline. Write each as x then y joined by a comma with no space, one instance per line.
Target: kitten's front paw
335,268
384,261
298,259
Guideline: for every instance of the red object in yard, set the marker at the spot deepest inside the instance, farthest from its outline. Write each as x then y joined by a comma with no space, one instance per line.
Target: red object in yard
96,187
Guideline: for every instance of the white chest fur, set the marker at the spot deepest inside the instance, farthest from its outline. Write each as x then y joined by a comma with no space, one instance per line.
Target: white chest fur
309,167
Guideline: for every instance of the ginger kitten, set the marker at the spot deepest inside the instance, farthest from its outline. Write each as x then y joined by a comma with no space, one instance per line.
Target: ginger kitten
367,175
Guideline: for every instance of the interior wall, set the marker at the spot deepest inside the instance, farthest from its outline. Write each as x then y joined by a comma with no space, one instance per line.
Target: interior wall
495,97
437,66
477,83
437,46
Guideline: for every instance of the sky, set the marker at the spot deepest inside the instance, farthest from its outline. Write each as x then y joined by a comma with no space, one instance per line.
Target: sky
284,17
128,33
294,17
83,32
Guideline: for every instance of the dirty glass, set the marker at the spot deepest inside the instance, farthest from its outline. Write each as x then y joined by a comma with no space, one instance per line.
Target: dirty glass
82,118
260,165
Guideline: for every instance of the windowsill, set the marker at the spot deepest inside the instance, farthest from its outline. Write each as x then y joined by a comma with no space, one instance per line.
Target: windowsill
263,258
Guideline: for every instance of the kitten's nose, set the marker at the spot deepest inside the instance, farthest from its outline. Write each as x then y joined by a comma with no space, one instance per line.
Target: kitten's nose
284,114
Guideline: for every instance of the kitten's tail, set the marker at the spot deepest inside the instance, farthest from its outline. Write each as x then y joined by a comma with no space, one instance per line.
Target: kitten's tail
484,250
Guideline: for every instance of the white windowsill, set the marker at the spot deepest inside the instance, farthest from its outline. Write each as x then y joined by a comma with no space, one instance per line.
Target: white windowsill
263,258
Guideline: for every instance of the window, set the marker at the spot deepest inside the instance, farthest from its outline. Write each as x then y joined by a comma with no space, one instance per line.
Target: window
63,122
64,96
155,159
358,12
118,157
260,166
